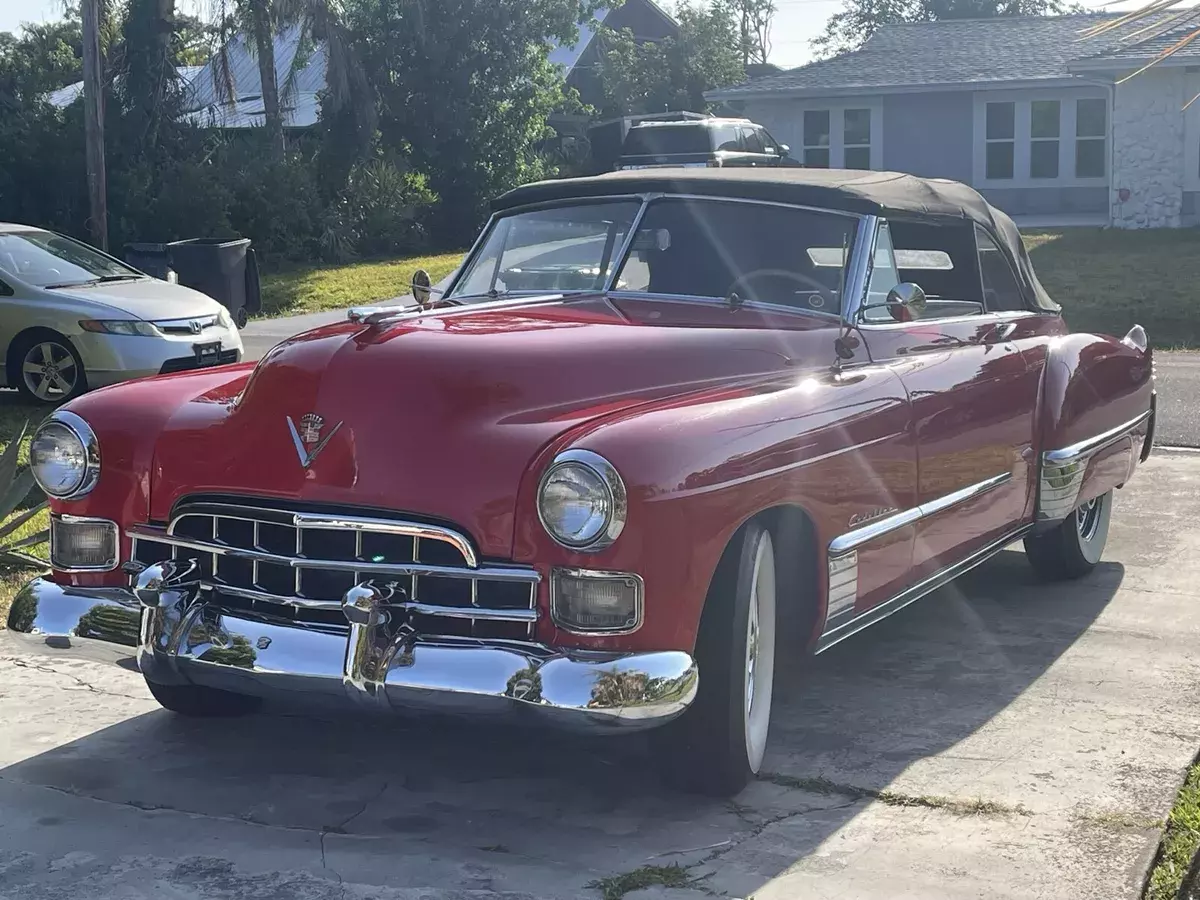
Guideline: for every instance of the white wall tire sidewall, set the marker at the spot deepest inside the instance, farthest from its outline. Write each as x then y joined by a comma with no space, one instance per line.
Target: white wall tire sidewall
1092,548
756,707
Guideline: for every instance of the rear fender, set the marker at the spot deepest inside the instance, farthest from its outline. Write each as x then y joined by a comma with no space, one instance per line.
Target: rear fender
1097,419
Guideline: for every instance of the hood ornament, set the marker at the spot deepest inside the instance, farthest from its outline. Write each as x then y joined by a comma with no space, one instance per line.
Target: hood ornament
307,437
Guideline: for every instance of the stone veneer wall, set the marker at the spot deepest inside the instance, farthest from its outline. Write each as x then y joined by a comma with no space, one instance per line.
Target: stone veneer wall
1148,149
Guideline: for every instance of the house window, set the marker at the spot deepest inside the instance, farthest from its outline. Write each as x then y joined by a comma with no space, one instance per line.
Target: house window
816,138
1091,128
856,138
1001,139
1043,138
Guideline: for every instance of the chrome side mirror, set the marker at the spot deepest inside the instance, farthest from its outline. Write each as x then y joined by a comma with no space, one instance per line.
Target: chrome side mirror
906,301
421,287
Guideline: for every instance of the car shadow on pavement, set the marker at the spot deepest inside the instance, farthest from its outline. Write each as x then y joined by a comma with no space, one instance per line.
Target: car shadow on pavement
513,802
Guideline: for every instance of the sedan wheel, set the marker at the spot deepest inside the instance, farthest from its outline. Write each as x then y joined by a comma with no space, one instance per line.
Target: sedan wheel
1074,546
718,745
50,371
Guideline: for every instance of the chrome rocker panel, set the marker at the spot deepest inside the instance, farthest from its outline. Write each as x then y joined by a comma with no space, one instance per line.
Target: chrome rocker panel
179,639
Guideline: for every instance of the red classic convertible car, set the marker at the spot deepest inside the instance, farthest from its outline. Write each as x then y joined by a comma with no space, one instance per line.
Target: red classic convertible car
662,426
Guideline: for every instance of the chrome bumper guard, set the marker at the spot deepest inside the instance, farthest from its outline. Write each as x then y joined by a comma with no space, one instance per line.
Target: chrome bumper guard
180,635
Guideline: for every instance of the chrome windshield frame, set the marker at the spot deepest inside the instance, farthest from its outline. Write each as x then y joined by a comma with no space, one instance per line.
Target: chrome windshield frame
857,275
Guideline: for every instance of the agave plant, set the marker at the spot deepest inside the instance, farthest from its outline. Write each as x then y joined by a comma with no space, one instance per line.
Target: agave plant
14,489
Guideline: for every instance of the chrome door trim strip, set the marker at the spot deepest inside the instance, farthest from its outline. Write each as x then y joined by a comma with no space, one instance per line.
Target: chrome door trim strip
1094,444
852,540
839,633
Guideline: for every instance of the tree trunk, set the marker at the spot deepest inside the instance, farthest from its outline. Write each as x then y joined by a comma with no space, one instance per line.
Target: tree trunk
93,119
150,25
264,38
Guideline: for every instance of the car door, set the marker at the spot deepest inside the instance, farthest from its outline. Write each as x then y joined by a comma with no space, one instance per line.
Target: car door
972,393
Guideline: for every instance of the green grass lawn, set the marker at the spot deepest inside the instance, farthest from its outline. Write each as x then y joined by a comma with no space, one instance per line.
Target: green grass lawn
292,291
1108,280
14,413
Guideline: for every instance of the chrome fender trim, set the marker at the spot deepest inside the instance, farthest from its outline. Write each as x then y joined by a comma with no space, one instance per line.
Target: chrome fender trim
1062,470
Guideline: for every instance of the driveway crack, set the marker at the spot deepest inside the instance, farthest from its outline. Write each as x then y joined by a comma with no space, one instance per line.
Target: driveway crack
25,664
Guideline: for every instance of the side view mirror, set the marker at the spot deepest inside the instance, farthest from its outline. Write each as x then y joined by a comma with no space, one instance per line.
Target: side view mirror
784,149
421,287
906,301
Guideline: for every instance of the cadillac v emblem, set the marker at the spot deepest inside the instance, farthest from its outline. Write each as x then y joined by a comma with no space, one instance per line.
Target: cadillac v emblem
307,437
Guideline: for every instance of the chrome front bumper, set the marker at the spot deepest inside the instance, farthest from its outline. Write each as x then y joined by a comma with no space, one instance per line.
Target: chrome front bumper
179,638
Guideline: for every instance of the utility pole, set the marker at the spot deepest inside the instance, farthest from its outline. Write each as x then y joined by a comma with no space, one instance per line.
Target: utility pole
93,116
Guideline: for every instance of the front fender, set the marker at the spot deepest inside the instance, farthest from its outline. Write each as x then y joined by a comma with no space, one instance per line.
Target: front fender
127,419
696,467
1097,402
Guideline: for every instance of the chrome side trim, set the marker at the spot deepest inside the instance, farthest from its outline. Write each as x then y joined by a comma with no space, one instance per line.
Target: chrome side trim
110,563
839,633
859,536
1063,470
858,270
1094,444
487,573
843,551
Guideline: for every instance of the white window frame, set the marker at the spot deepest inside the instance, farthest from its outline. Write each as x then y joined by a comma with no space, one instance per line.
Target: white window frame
837,129
1191,136
1022,108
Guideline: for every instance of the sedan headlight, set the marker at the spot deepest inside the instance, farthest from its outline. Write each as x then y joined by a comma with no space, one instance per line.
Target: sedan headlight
582,501
225,319
120,326
64,456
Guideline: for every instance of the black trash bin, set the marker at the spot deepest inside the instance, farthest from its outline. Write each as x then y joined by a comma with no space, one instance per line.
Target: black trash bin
218,268
153,259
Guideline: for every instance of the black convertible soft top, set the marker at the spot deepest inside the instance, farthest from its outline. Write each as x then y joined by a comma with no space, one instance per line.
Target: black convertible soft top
890,194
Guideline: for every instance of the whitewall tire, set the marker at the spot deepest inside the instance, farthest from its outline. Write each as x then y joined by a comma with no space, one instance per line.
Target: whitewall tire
718,745
1073,547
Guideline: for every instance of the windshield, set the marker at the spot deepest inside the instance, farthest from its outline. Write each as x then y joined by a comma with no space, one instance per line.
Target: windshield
42,258
760,252
556,250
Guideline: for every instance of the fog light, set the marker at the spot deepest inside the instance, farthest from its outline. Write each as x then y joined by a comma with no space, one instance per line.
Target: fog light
591,602
83,544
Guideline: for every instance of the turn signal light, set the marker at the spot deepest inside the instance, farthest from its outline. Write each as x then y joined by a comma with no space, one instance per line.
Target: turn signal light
83,544
589,602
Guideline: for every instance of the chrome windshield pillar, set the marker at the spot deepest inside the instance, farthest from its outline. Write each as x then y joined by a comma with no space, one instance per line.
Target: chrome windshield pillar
858,269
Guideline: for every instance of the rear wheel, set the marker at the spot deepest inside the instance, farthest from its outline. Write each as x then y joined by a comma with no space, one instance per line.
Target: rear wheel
45,368
717,746
201,702
1074,546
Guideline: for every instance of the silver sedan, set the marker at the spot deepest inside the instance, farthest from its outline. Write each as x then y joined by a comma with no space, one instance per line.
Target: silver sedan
74,318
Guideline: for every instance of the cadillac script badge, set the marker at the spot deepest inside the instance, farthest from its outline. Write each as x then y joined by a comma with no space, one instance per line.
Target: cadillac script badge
307,437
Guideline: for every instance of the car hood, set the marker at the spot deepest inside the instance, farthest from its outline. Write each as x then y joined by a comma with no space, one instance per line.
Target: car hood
439,416
149,298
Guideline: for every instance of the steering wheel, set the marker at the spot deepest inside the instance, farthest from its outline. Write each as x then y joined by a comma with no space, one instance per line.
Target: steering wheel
820,297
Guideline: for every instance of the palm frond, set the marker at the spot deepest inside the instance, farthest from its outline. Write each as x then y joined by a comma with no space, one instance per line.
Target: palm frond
13,524
8,465
1151,8
1169,51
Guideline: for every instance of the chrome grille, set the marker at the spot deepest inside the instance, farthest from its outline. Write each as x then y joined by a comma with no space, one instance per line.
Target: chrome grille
303,562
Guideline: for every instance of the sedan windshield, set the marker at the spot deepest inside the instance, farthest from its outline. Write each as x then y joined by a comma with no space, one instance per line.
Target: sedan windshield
45,259
687,248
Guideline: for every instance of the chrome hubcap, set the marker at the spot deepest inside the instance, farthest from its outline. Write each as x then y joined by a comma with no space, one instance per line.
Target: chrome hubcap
1087,519
49,371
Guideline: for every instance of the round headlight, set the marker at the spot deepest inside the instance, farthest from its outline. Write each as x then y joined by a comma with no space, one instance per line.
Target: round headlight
581,501
64,456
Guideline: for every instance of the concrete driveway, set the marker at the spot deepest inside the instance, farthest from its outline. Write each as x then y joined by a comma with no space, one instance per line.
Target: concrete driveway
999,739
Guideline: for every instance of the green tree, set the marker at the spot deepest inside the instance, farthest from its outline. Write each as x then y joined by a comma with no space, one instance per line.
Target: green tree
467,86
848,29
753,18
42,58
674,73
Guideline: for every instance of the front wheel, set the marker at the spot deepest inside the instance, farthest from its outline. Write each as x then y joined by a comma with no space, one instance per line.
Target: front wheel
717,746
1074,546
47,368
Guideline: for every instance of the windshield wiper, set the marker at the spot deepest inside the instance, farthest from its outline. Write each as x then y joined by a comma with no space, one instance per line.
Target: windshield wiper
103,279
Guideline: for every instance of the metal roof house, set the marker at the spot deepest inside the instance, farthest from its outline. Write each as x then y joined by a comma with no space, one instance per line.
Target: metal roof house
1024,109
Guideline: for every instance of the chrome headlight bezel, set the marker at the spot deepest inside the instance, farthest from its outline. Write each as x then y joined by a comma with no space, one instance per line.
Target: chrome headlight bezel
91,447
615,498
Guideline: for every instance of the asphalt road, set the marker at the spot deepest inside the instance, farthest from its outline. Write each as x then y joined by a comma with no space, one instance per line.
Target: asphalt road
1001,739
1178,374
